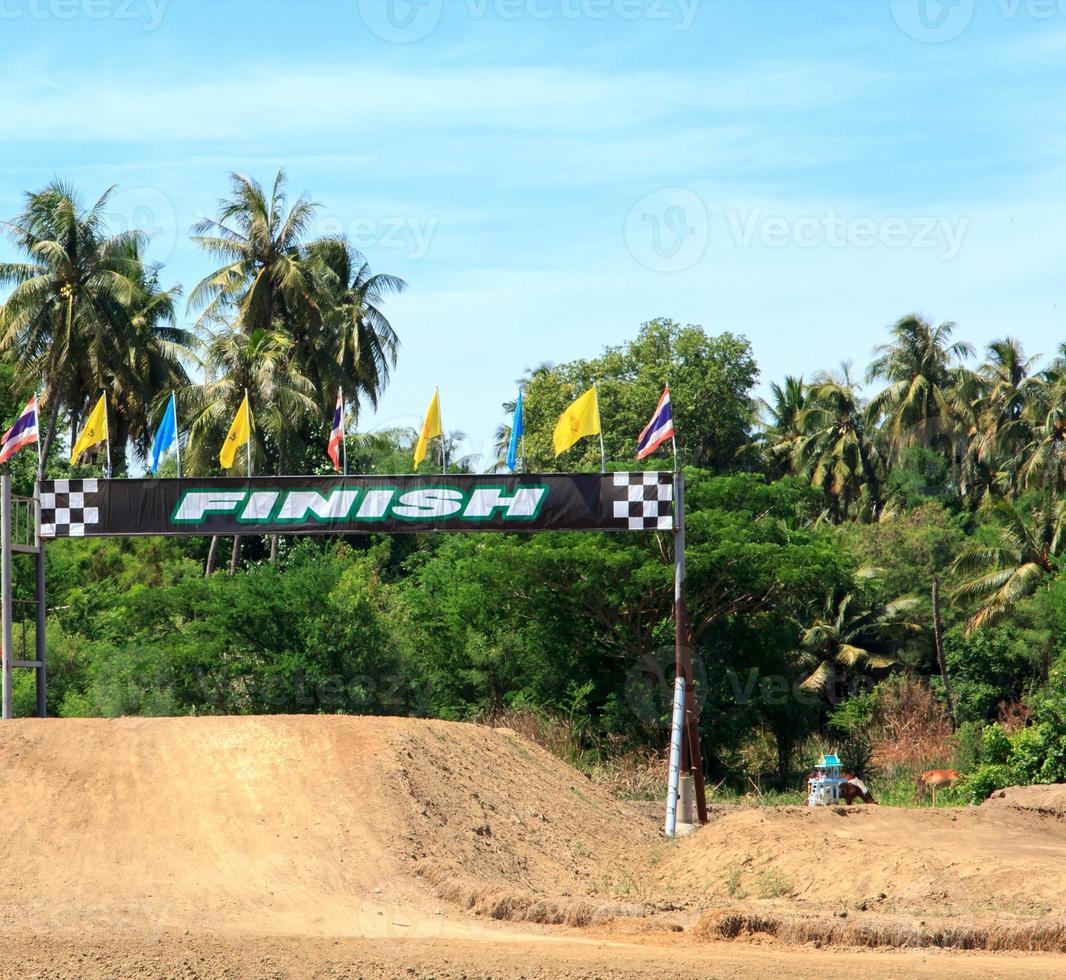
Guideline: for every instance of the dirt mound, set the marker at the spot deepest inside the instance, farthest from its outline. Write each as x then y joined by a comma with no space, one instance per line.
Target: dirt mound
288,824
981,863
327,828
1045,800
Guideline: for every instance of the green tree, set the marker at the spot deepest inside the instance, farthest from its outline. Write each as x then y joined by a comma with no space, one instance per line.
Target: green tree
1022,559
86,313
710,382
926,401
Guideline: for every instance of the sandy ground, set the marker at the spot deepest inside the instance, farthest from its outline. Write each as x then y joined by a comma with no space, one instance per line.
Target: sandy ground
336,847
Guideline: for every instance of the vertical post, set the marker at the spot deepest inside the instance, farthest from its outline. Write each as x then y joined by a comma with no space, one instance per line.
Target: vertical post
40,639
344,437
7,653
676,725
683,658
248,444
107,436
177,431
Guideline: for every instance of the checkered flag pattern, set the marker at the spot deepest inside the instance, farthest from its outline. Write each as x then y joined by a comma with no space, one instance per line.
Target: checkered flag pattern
69,509
644,501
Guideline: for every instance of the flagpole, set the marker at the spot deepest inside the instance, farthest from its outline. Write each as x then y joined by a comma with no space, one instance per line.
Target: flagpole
443,451
107,435
177,430
603,454
344,436
248,423
40,457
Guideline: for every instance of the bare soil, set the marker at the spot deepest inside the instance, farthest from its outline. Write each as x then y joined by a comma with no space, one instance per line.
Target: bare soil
330,846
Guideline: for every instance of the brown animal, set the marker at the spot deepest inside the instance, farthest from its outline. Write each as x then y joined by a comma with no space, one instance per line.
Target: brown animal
935,779
851,789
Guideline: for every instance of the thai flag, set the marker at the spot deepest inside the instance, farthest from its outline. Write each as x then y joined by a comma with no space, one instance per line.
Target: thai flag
658,430
336,435
22,433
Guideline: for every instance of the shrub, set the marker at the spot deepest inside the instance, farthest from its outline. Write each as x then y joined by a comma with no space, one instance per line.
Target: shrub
995,746
979,785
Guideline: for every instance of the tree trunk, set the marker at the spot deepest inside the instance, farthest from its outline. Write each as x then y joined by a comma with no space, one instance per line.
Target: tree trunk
274,547
49,434
938,640
210,567
235,555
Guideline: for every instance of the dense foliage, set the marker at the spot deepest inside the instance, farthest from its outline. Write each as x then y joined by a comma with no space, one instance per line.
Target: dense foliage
817,524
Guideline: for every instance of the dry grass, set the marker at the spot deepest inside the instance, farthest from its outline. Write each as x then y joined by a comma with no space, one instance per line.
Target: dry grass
914,732
1045,937
627,773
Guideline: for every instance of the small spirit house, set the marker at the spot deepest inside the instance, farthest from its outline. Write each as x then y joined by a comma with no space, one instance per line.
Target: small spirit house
823,786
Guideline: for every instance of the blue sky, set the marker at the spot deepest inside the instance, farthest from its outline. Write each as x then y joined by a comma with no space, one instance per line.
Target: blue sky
547,174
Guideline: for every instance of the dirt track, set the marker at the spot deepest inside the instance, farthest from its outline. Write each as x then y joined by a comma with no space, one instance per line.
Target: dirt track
356,847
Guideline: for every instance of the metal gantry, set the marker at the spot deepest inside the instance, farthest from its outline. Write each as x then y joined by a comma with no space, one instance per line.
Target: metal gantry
20,525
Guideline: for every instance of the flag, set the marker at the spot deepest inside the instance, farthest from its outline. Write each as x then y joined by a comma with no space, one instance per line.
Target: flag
240,434
22,433
658,430
581,419
430,428
336,434
166,434
516,434
95,429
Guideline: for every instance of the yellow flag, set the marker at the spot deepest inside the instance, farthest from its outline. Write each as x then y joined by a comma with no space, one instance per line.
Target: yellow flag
430,429
95,429
240,434
581,419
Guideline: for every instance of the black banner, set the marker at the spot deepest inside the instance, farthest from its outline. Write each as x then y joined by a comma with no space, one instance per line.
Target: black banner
641,501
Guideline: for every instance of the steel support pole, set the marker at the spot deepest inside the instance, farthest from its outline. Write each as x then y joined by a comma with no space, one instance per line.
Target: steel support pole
8,653
40,639
677,725
683,658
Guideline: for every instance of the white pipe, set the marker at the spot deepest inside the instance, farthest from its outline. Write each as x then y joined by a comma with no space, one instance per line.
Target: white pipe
676,726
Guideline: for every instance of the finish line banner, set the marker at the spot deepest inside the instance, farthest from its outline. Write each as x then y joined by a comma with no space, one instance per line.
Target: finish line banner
640,501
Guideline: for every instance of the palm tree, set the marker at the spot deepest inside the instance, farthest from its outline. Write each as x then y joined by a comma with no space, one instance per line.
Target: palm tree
926,399
783,417
834,449
1025,557
86,313
261,364
264,280
345,339
846,635
1002,420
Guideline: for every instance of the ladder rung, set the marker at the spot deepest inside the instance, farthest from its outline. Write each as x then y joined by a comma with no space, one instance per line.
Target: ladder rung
26,663
25,549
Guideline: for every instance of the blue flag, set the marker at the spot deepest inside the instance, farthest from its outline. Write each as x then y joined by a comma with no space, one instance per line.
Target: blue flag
166,434
516,434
